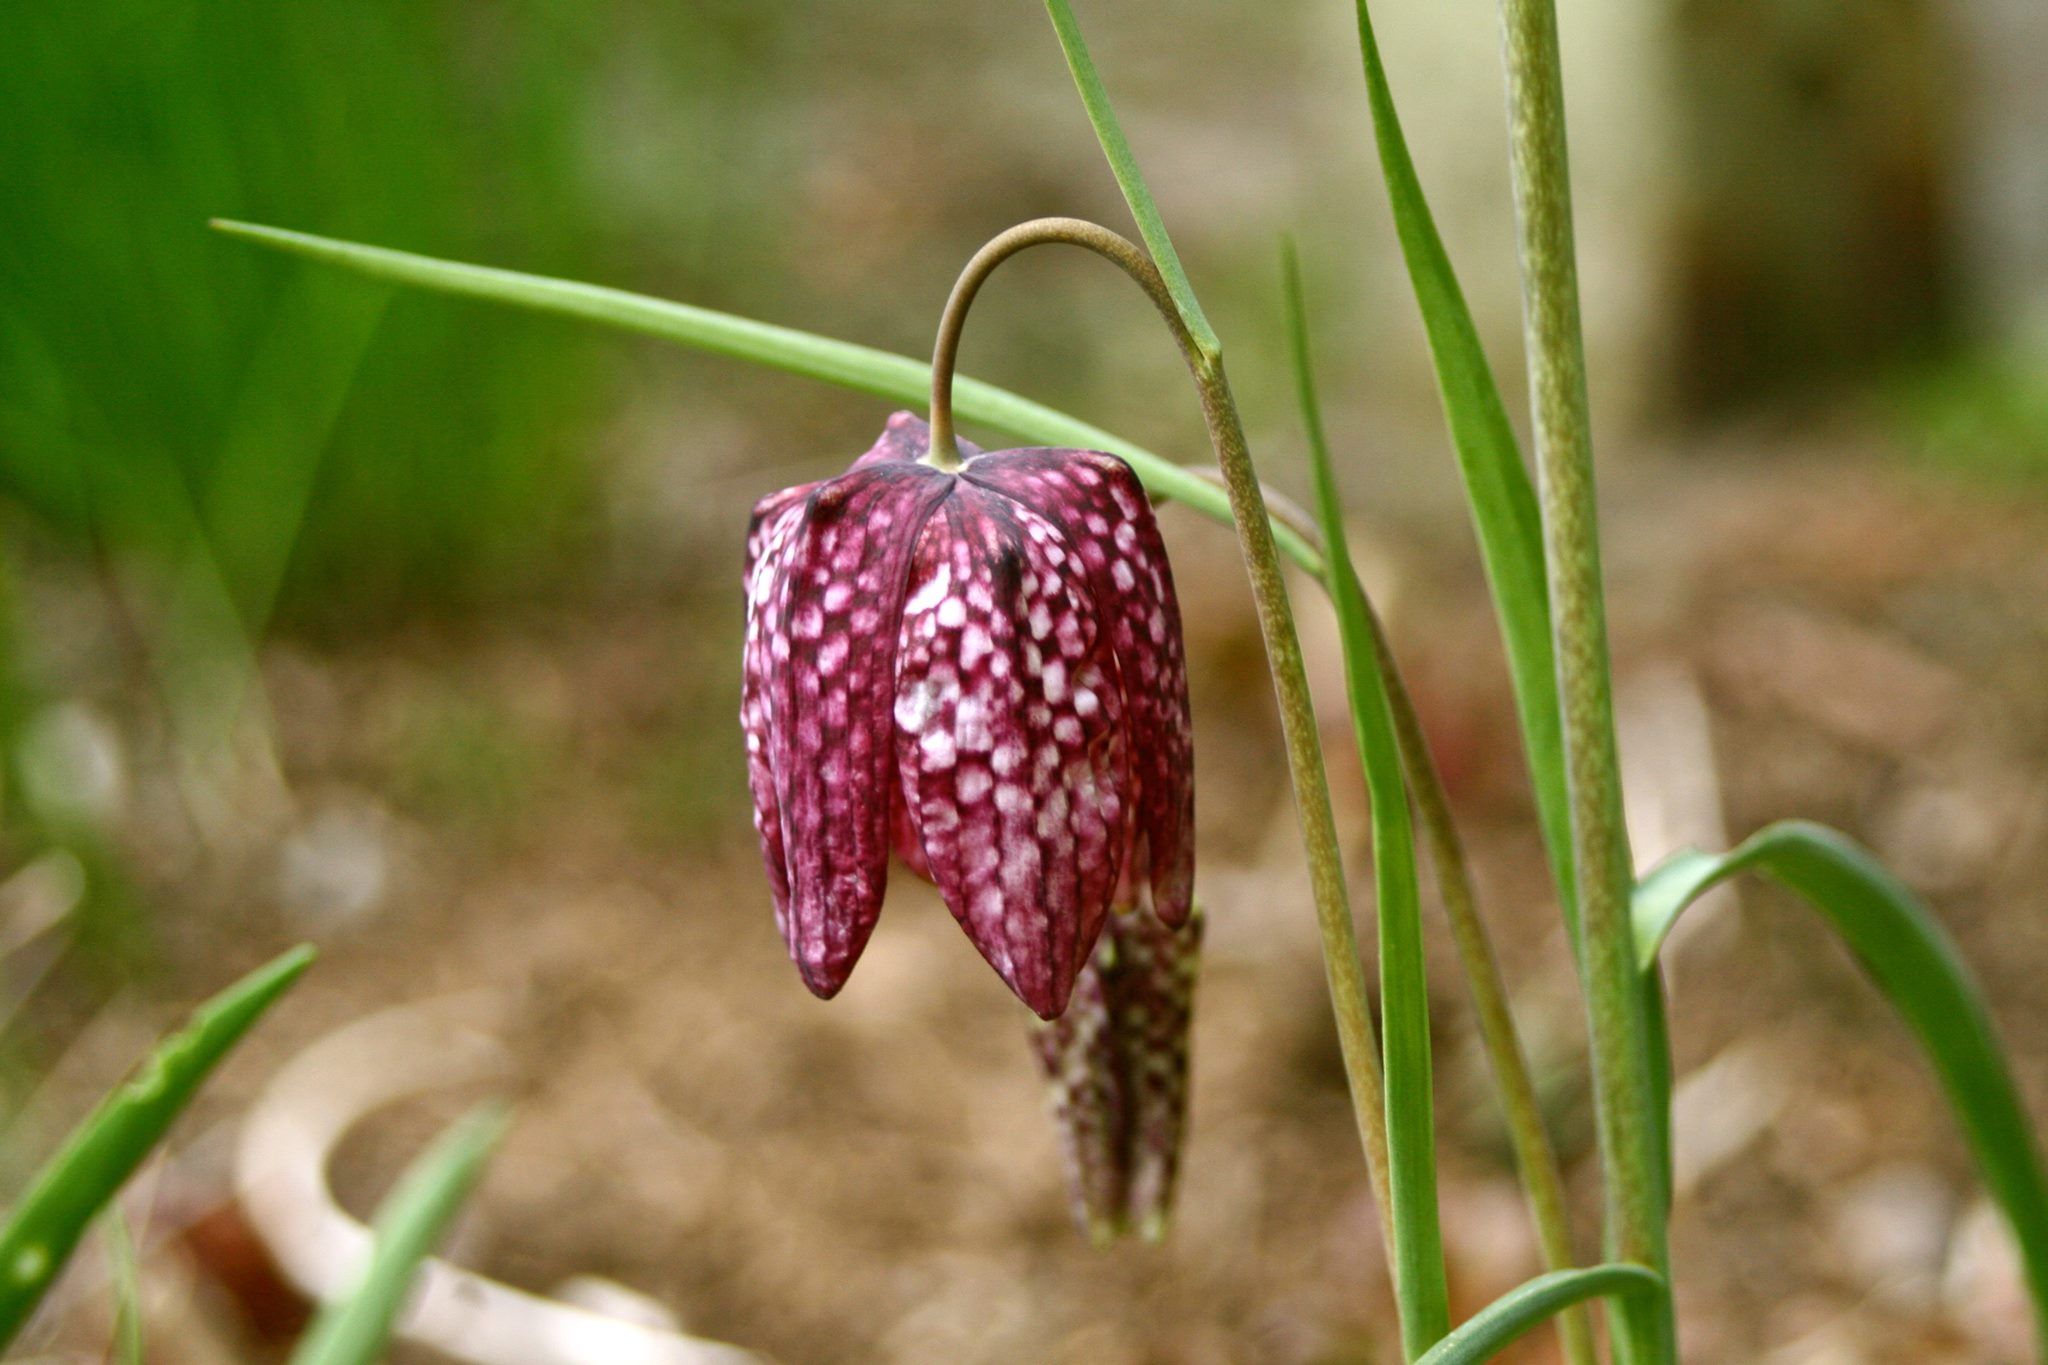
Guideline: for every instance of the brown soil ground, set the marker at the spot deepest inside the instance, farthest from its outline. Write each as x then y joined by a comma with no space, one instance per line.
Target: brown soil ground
554,809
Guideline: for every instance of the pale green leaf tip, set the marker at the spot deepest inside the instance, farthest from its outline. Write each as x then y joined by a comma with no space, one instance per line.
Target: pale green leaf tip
473,1136
263,985
288,966
280,238
488,1122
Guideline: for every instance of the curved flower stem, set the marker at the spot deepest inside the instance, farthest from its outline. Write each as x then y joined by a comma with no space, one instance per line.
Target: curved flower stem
1341,962
1625,1090
1535,1156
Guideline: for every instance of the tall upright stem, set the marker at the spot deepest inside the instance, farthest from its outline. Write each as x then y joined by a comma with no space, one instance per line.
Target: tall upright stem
1346,974
1535,1155
1623,1087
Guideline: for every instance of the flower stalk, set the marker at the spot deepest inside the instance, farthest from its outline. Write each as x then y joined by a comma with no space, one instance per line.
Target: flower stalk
1339,936
1500,1038
1624,1089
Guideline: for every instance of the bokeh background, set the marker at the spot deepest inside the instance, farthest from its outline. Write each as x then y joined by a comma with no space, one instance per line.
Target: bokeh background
411,627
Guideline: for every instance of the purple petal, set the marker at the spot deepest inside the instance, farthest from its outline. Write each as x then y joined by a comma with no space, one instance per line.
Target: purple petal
1011,741
1101,511
828,646
768,537
771,515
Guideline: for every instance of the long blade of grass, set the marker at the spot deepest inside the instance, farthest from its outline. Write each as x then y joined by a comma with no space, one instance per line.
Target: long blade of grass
1366,652
1497,484
1916,965
1490,1331
1618,1029
409,1225
1656,1017
44,1227
847,364
1404,985
1124,166
1257,544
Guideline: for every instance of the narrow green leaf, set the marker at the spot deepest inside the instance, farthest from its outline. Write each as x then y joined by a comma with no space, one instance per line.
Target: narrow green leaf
1404,983
1497,484
44,1227
127,1279
1913,961
1489,1331
861,368
1124,166
409,1225
1656,1018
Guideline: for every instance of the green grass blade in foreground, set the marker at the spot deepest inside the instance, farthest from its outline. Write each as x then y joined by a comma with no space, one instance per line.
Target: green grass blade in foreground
1365,646
847,364
1657,1019
67,1194
1124,166
1404,984
1914,962
1497,484
1490,1331
409,1225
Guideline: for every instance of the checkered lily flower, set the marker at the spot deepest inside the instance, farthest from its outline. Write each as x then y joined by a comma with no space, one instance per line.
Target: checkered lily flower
982,669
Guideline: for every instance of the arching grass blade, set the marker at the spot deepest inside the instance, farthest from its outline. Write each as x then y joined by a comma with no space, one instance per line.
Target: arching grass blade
1493,1328
1916,965
847,364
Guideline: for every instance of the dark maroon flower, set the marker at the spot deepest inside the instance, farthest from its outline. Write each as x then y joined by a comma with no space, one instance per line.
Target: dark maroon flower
983,670
1117,1065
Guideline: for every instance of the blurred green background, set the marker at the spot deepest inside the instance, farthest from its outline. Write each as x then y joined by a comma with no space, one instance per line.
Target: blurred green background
338,457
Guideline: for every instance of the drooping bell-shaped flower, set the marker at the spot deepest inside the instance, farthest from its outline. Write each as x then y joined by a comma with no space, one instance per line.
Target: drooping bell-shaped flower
981,668
1116,1064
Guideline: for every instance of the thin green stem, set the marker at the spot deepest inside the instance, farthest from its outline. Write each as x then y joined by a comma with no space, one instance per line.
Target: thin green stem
945,444
1624,1086
1404,968
1311,785
1535,1156
1346,974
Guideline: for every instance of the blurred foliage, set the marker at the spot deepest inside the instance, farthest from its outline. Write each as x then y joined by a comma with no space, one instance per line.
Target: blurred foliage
310,439
462,759
42,813
223,437
1979,413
